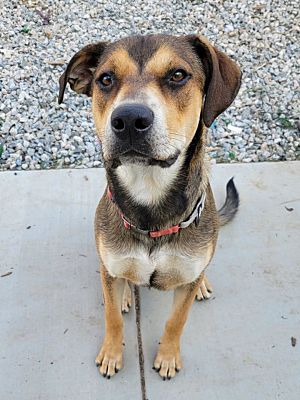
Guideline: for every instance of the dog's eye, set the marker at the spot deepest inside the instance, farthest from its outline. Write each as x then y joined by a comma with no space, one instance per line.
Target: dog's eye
106,80
178,76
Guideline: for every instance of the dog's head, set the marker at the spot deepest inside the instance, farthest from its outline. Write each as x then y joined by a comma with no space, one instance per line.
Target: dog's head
150,92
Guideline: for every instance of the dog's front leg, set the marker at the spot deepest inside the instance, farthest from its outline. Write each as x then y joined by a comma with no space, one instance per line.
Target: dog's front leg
168,360
109,359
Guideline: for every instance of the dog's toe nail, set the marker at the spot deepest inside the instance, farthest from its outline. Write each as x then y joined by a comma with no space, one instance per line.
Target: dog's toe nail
108,377
169,378
117,370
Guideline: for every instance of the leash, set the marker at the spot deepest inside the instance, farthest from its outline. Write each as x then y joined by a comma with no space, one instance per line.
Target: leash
137,303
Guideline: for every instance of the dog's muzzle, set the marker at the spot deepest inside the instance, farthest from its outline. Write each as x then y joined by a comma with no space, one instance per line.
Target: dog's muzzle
131,123
134,139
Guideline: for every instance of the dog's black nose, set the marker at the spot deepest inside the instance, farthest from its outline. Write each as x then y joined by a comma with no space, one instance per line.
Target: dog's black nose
131,119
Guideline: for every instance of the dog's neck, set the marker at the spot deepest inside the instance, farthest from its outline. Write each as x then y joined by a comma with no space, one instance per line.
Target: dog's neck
153,197
148,185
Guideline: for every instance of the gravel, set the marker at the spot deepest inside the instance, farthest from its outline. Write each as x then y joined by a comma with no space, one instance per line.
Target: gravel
39,37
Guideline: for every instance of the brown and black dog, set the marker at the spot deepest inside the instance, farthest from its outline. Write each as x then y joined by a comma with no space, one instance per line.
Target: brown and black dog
156,224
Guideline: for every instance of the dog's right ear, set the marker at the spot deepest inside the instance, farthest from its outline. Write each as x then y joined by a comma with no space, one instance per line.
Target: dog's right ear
80,70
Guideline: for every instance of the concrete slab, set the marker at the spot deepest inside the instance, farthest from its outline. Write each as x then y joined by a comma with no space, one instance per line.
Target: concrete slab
51,313
236,346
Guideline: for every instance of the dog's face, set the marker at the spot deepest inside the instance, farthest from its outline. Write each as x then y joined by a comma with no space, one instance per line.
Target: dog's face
147,99
149,93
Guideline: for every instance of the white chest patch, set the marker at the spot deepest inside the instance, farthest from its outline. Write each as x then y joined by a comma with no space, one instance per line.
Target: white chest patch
147,184
137,266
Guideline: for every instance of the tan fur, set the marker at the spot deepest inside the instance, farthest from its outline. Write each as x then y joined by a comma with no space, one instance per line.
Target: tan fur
121,63
168,359
164,59
109,358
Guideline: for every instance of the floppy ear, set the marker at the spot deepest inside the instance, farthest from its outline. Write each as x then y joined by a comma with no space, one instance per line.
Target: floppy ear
80,70
223,78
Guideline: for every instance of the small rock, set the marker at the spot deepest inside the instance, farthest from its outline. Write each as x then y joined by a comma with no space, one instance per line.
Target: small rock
90,149
45,157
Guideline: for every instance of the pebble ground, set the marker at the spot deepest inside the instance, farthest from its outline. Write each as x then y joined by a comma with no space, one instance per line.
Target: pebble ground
39,37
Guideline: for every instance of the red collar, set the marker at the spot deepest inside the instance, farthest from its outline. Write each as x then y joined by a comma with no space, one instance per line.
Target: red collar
173,229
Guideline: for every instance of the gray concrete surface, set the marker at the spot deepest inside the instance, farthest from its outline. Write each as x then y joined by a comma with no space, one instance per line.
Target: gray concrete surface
235,346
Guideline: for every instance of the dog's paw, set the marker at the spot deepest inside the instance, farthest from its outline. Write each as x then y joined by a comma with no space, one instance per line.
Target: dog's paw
167,361
126,299
109,359
205,290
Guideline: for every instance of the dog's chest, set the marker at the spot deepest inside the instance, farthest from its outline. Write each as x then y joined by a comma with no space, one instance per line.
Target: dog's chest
164,269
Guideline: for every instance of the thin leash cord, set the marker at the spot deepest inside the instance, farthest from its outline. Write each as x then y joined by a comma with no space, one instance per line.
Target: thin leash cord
137,303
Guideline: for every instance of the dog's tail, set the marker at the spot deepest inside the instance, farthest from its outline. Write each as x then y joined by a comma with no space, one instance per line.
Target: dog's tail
231,205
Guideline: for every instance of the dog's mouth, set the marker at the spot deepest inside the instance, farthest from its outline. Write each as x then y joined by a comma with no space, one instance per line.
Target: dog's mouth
137,157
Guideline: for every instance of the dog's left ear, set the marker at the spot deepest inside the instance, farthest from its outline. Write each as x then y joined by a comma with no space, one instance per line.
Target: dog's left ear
80,70
223,78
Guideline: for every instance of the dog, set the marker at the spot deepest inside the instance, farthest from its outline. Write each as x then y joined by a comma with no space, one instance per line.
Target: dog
153,98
